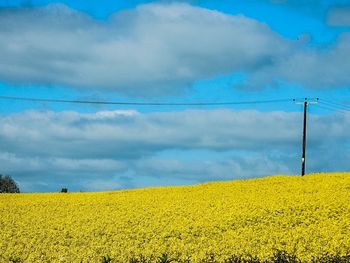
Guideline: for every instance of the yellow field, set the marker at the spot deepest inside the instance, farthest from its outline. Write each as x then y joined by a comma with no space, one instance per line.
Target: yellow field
308,217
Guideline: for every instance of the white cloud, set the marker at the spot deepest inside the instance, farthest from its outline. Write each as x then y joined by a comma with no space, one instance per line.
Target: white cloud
16,161
127,135
154,48
160,48
313,68
48,150
209,170
157,49
339,16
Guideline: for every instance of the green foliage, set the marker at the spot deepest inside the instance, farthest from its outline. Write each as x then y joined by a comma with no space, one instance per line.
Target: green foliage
333,259
283,257
140,259
106,259
279,256
164,258
15,260
8,185
210,259
233,259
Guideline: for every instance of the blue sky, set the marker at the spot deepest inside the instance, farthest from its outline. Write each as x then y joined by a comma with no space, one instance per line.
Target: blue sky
170,51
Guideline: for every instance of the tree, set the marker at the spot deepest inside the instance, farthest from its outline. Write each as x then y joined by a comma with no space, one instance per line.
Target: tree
8,185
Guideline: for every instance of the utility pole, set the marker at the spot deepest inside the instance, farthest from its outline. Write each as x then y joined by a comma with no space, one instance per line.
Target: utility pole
304,140
303,155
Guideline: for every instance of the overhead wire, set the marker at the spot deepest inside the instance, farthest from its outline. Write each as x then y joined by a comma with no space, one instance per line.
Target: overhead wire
330,108
322,103
336,104
135,103
334,108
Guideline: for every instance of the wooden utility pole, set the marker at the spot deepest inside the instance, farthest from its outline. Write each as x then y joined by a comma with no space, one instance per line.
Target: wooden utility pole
303,156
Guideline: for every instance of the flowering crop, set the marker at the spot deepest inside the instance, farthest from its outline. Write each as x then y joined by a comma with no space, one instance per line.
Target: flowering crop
308,217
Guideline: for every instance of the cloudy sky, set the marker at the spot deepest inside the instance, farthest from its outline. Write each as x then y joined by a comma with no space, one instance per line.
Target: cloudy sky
174,52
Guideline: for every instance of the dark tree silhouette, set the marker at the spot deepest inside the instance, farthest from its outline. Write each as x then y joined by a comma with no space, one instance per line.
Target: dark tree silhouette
8,185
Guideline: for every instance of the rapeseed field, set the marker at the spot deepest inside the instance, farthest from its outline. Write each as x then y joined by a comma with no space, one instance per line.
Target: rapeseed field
304,218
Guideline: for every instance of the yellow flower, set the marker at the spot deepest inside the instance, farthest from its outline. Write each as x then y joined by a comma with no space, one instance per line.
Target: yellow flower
307,217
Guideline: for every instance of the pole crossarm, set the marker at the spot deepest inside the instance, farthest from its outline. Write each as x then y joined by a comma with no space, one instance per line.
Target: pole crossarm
308,100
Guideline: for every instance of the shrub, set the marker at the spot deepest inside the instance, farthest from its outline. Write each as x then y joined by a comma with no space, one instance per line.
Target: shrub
8,185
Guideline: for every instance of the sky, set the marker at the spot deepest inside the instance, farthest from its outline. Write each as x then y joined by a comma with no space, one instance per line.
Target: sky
173,52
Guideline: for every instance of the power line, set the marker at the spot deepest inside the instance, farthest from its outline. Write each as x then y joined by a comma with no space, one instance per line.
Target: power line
335,105
333,108
133,103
